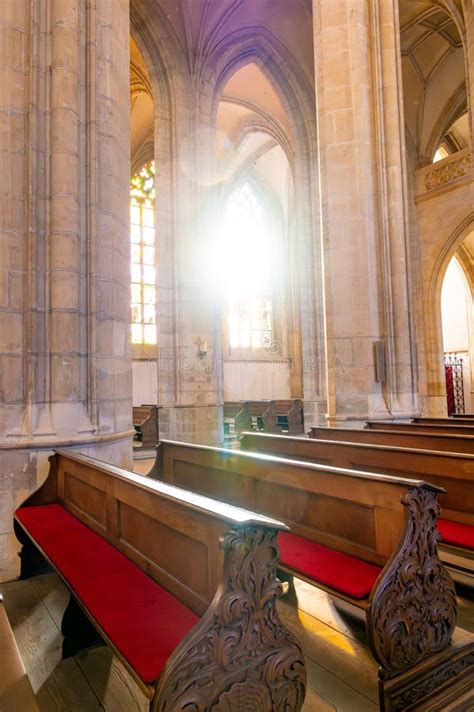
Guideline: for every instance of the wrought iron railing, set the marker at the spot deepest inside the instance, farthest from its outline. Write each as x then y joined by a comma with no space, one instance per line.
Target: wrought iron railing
453,366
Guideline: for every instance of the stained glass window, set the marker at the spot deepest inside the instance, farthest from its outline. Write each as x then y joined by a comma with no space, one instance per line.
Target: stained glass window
247,266
142,250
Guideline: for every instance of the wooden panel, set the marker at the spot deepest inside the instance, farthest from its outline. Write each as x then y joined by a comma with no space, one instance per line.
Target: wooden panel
85,498
230,486
167,548
333,507
459,493
452,471
346,520
424,441
429,428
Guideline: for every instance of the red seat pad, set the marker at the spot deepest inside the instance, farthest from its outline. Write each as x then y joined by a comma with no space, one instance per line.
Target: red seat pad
456,534
143,620
335,569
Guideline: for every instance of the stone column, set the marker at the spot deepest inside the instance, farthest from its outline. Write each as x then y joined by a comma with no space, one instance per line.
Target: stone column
363,207
64,306
189,383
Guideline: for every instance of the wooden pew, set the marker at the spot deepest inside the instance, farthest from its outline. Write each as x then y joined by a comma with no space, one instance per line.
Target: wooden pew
452,471
145,422
287,416
180,586
346,520
429,428
236,420
261,414
444,421
410,439
16,693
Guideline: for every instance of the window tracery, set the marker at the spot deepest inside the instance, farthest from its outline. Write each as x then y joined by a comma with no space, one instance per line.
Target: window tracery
248,270
143,254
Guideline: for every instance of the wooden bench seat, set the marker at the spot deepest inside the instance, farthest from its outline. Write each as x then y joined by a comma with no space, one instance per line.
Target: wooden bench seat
145,623
457,534
398,438
152,569
452,471
16,693
346,575
384,522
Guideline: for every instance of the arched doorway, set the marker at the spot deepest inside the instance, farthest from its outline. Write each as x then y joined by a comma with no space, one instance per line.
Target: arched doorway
456,319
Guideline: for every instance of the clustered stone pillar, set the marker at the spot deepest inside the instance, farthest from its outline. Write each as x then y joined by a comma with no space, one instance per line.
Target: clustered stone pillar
189,350
363,207
64,267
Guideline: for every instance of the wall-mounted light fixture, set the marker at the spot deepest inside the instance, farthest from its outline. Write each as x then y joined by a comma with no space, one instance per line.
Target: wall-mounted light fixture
201,347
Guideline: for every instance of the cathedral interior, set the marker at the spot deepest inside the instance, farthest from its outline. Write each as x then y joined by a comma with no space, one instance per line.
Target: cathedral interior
236,379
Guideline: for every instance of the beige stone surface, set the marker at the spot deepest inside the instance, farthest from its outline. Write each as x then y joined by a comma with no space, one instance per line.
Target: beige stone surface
334,108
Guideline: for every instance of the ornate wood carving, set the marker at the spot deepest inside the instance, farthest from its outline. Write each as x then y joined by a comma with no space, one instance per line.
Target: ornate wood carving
412,612
429,684
240,656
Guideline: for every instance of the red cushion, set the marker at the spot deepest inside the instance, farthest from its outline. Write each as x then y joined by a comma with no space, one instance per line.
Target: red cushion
456,534
143,620
335,569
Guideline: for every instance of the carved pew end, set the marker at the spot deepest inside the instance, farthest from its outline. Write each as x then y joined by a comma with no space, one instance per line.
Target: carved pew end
442,683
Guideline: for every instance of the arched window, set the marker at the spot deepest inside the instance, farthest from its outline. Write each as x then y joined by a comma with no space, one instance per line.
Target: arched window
247,268
143,269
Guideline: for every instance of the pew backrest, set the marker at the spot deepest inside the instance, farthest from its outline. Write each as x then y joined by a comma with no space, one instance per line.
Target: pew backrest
452,471
444,421
159,527
409,439
359,513
430,428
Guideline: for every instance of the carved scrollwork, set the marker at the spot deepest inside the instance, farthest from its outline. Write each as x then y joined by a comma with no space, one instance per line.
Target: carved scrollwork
240,656
412,612
429,683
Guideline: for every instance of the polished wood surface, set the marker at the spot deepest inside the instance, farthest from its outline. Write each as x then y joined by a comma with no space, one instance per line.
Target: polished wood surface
205,552
430,428
276,416
145,422
461,420
376,517
452,471
158,527
421,440
16,693
359,513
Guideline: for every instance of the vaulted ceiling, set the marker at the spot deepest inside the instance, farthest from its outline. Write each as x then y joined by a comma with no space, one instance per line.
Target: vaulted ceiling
200,25
433,73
